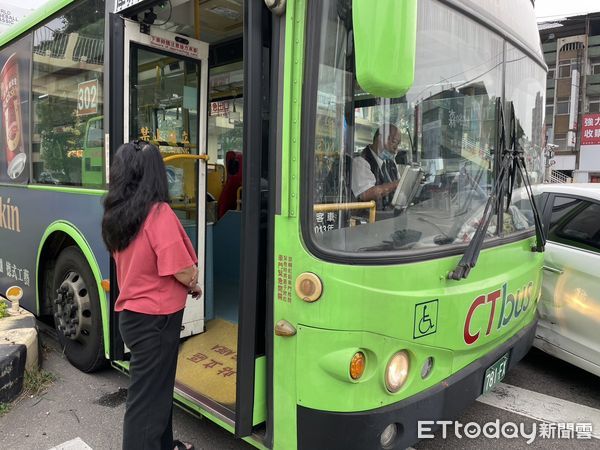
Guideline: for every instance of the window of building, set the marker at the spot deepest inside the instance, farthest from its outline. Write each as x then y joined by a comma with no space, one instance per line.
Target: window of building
549,113
560,139
564,70
594,104
594,27
68,63
596,69
551,73
563,107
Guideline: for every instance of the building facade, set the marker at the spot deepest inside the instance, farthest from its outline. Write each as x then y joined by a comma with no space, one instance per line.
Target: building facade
572,51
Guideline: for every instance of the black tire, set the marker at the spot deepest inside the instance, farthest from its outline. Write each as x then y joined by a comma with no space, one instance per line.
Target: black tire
76,310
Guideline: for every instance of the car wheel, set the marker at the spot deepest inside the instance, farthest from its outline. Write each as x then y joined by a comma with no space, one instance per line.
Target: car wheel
76,310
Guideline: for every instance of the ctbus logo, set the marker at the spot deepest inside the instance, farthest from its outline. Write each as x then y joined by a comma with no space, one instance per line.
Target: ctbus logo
511,306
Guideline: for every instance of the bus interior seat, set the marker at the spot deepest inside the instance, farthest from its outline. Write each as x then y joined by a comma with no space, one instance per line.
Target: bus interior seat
228,198
238,199
215,179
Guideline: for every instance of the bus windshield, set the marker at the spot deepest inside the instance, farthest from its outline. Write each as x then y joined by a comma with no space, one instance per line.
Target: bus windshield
409,173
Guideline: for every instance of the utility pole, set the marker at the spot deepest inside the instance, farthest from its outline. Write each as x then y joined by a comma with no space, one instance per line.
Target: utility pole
549,161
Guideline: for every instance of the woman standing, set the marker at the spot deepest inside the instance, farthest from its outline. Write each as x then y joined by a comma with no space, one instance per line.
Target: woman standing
156,268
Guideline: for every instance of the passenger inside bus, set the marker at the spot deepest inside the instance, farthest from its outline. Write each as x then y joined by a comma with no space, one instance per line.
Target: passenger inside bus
230,193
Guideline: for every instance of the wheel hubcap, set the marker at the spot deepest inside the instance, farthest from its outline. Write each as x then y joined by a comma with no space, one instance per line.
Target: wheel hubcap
72,310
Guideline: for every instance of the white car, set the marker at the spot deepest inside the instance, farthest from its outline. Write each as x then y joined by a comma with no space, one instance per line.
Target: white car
569,309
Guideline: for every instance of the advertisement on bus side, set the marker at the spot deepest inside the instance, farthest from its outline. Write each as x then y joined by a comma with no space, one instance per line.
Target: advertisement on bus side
14,97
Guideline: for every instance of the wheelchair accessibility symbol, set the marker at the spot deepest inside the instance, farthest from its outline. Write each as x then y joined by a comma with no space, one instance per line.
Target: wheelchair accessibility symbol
425,319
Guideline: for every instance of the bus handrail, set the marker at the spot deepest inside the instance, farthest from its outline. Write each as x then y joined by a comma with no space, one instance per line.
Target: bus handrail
238,198
198,157
331,207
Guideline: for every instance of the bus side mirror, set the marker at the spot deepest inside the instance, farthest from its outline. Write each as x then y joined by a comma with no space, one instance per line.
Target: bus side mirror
385,34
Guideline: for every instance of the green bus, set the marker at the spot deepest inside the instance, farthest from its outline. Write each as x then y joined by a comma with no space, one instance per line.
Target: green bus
330,318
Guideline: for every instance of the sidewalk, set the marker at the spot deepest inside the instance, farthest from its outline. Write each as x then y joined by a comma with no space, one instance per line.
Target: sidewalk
18,350
89,407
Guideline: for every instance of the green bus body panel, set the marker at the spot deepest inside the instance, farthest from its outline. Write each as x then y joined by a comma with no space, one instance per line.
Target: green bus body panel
385,41
284,349
68,190
375,309
39,15
72,231
259,414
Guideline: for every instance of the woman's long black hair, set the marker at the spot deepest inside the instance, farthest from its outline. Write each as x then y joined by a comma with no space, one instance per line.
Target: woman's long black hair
137,181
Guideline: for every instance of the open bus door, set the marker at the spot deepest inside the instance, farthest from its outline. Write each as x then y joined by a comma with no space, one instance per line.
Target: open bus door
159,92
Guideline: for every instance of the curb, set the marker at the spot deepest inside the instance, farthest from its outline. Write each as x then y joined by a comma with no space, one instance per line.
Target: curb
18,351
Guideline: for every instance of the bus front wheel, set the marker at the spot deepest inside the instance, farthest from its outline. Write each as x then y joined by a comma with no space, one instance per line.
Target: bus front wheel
76,310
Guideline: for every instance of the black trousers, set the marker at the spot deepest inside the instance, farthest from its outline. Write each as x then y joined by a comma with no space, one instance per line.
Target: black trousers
153,341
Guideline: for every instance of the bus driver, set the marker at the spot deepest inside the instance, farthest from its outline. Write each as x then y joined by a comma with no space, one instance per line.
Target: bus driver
374,172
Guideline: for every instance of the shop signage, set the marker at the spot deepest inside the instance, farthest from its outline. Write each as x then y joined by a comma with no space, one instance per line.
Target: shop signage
590,129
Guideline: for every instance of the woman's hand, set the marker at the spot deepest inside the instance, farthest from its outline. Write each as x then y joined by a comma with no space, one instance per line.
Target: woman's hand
196,291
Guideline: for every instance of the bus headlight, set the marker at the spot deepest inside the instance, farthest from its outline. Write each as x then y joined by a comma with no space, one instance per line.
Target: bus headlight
396,371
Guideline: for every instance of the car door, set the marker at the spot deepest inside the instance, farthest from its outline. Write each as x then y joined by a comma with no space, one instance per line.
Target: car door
570,304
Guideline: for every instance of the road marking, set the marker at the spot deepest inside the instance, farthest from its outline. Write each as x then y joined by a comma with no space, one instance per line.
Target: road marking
73,444
541,407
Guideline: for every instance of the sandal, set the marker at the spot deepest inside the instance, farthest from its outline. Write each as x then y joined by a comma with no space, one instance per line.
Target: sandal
182,445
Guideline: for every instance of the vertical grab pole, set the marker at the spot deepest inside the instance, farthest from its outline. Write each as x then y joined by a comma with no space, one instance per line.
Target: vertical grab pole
197,19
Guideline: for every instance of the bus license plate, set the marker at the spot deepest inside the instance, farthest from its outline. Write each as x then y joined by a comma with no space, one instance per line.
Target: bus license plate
495,373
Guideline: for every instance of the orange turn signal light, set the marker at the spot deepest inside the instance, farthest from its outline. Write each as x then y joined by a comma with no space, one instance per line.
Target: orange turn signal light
357,365
105,285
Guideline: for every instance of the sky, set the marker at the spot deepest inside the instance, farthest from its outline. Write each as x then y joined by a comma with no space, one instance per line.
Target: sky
551,9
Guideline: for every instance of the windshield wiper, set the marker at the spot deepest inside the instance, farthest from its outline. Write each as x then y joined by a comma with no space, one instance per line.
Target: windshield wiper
512,161
519,161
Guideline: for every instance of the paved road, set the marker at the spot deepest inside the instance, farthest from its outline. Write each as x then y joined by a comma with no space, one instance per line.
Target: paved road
540,387
90,407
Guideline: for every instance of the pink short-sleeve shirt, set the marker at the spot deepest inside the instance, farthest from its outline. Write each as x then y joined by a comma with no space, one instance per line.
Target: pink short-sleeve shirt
146,267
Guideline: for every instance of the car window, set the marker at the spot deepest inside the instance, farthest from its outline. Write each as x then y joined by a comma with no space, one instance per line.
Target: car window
575,222
524,205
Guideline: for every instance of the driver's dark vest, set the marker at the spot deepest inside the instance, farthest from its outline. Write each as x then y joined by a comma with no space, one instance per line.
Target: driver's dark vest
367,154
